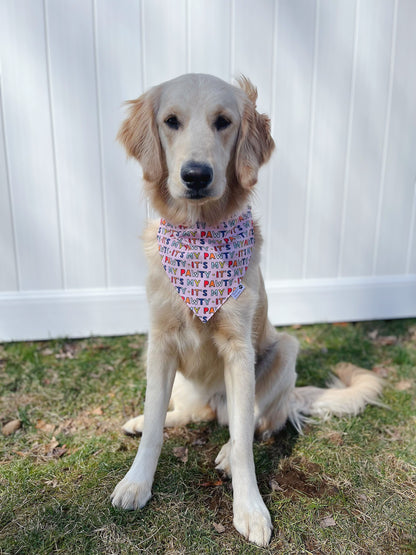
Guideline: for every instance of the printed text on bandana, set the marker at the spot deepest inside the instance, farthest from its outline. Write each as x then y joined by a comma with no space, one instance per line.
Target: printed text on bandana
206,264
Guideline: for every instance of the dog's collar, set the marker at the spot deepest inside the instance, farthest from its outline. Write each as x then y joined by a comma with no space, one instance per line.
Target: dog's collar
207,263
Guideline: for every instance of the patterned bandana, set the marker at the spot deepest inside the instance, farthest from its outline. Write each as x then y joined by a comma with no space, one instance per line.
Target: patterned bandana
206,264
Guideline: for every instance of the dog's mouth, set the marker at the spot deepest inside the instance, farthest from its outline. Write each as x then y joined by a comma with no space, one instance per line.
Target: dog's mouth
197,195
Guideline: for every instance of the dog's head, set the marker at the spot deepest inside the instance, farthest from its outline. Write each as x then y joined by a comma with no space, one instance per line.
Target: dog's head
200,142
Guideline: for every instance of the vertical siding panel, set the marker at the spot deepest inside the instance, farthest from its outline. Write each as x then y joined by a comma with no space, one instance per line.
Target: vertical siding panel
333,87
347,165
28,141
143,56
232,38
411,252
258,31
311,134
77,141
143,73
188,36
118,45
374,43
268,193
8,270
98,94
208,29
400,168
255,62
165,40
293,74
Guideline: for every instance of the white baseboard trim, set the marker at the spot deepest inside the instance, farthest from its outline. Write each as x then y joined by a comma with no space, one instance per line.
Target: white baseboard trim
312,301
35,315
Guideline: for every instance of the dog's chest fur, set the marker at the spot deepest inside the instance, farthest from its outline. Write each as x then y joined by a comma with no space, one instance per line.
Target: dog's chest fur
192,341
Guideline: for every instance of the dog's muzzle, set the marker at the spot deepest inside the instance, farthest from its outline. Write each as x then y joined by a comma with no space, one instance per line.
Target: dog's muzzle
196,177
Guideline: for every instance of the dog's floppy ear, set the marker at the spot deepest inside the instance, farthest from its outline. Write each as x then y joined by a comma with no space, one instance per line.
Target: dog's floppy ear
254,143
139,135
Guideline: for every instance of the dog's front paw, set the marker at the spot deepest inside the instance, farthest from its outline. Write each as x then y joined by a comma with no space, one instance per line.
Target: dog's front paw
131,495
134,425
253,522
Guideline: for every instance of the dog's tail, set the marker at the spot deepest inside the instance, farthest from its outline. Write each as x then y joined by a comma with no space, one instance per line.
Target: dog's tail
346,395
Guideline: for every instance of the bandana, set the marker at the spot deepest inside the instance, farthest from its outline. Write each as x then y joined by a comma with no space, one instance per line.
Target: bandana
206,264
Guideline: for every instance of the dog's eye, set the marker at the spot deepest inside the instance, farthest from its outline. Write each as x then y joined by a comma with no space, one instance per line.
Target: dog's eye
221,123
172,122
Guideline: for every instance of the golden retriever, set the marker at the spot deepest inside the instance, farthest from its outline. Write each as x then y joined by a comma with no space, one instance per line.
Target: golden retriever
201,142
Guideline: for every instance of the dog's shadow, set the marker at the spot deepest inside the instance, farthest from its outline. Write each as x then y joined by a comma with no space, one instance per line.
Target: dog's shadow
209,437
269,453
204,440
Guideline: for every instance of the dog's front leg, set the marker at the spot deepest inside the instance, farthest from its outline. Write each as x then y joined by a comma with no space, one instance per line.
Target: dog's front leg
251,517
134,490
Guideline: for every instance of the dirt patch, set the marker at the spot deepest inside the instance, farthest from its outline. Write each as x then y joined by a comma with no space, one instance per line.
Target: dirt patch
298,477
216,498
219,501
313,546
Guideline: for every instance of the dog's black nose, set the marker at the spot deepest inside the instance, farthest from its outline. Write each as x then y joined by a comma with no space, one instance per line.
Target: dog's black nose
196,176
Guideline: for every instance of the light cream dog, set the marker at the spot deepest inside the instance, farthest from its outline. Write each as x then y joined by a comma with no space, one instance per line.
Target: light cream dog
201,142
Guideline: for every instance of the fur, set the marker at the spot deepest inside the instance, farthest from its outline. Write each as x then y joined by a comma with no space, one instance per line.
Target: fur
236,367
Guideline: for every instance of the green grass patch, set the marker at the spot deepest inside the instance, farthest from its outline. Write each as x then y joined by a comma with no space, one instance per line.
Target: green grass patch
344,486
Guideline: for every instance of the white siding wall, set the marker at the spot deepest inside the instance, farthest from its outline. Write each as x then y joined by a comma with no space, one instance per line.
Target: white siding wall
337,202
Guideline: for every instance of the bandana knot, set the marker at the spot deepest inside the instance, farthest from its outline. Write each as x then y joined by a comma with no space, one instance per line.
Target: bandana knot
206,263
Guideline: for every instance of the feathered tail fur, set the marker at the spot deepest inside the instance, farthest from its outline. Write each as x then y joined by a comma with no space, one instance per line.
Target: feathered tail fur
346,395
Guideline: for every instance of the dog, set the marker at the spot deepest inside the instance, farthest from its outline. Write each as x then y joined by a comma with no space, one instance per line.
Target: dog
212,352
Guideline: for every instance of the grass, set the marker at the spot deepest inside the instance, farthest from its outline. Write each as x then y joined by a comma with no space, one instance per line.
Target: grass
345,486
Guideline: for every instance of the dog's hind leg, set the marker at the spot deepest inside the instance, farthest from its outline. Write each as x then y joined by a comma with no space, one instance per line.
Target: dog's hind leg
278,400
275,382
187,405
